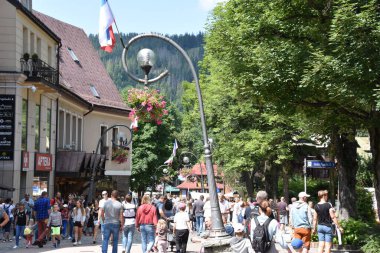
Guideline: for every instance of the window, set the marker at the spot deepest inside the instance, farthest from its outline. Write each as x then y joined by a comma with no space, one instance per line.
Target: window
25,40
48,130
39,47
50,55
94,91
72,54
32,49
37,129
103,141
79,144
74,133
67,131
61,129
115,132
24,126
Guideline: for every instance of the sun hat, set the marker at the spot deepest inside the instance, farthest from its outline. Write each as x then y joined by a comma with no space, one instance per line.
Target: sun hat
297,243
238,228
303,194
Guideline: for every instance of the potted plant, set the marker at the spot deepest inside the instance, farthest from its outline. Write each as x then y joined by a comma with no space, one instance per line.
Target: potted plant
34,64
120,155
25,64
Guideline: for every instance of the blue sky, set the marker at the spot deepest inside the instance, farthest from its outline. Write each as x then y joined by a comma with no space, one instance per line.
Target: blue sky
162,16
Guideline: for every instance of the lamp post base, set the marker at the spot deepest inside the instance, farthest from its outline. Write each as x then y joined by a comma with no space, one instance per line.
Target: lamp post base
217,245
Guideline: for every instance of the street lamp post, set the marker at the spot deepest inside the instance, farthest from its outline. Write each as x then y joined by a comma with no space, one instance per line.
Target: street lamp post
124,143
144,60
165,171
186,161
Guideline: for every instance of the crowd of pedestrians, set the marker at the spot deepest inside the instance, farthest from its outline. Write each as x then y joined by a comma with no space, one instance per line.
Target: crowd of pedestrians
166,220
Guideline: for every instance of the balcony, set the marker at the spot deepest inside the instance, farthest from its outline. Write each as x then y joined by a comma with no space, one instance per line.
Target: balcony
39,73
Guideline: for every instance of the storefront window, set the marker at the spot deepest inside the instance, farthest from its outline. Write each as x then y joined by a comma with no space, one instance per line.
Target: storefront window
37,128
24,127
48,130
40,184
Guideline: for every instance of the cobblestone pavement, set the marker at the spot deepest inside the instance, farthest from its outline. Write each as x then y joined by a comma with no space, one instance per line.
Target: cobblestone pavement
86,247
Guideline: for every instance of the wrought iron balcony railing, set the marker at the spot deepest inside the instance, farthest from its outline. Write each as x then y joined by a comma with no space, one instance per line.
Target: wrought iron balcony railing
39,68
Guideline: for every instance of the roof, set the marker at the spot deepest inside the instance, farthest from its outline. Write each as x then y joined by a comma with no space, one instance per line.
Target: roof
194,186
38,22
78,77
196,170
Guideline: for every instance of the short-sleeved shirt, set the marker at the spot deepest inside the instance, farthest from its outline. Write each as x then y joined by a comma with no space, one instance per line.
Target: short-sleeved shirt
42,206
224,206
323,212
28,204
180,220
281,206
112,209
21,218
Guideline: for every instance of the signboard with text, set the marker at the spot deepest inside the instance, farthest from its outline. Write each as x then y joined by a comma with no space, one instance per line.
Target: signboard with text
43,162
25,160
7,119
320,164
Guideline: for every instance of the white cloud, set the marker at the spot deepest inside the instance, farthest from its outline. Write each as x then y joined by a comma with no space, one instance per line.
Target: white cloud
207,5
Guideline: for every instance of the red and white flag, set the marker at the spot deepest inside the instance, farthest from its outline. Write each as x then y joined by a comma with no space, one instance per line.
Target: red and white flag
106,36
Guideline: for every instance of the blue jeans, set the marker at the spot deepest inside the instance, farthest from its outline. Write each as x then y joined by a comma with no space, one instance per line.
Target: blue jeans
64,227
129,230
324,233
109,229
19,232
71,222
147,237
199,224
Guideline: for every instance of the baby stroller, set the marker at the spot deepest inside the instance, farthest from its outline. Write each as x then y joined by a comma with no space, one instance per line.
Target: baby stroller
170,235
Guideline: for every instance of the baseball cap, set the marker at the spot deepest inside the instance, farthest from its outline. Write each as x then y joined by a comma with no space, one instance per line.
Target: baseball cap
65,205
238,228
104,192
297,243
303,194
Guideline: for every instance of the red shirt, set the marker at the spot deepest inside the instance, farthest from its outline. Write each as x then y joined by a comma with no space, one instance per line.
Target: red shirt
146,215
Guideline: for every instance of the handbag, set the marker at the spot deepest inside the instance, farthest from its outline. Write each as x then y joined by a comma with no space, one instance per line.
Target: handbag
333,229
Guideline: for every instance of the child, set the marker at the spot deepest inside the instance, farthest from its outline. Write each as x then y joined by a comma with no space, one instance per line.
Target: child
161,242
65,219
28,232
55,224
239,243
21,219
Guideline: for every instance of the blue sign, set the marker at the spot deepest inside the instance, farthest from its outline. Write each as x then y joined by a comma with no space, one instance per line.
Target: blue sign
320,164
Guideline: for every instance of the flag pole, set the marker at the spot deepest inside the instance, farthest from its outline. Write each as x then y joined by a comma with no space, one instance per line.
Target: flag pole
121,38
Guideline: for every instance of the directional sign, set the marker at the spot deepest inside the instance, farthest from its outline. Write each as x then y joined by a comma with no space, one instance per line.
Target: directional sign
320,164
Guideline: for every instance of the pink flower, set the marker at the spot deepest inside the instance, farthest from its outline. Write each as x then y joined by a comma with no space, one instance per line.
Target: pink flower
165,112
159,122
149,108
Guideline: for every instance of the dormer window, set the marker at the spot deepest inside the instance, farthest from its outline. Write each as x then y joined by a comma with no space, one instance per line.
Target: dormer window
72,54
94,91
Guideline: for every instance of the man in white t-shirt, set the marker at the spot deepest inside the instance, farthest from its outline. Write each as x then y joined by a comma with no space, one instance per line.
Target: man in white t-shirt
181,228
101,207
224,208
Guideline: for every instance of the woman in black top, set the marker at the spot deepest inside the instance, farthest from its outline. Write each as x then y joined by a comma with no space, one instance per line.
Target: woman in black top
325,215
94,214
21,219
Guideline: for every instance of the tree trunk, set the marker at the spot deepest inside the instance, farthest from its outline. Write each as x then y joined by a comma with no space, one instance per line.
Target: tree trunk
271,173
346,155
374,135
285,178
248,179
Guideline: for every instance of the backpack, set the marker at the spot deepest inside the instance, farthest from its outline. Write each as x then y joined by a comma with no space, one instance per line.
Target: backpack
6,209
255,212
260,240
168,205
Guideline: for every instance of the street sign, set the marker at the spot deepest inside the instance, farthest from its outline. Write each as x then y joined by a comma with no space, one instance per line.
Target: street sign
320,164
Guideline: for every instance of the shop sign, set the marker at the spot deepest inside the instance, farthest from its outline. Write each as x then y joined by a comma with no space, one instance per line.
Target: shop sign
43,162
7,118
25,161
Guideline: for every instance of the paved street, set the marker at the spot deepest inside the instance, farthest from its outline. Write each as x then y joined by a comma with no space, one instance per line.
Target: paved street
87,246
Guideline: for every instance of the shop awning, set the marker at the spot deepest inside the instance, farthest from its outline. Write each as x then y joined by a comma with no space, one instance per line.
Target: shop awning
170,188
75,162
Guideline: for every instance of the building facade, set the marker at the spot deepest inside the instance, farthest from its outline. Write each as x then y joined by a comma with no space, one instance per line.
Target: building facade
54,108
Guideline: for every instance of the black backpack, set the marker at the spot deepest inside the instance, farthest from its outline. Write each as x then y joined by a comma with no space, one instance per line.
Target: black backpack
168,205
260,240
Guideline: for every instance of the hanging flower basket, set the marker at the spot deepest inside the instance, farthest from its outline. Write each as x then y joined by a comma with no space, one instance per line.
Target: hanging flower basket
120,155
147,105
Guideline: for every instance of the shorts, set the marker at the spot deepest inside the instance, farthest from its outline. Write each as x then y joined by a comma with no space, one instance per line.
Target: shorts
78,224
55,230
324,233
7,227
305,235
284,219
96,223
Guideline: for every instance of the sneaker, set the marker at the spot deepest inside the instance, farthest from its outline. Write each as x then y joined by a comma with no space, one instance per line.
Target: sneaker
70,238
58,243
35,243
15,247
27,246
79,242
40,245
93,242
75,243
54,245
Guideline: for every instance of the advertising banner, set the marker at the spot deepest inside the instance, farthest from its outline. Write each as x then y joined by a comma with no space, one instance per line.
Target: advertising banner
7,120
43,162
